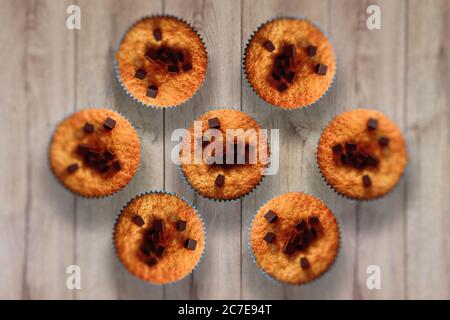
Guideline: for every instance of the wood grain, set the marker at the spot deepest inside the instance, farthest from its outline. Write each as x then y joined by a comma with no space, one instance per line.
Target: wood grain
401,70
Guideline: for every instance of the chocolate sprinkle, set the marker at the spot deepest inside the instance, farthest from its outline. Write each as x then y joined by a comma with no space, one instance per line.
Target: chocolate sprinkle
140,74
304,263
321,69
72,168
152,91
270,216
190,244
152,261
109,123
187,67
88,128
116,165
281,87
159,251
311,50
158,225
372,124
289,248
214,123
269,237
137,219
367,182
337,148
268,45
157,34
220,180
313,220
181,225
383,141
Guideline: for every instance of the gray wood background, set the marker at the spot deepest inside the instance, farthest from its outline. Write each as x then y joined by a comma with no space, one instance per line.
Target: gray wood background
49,72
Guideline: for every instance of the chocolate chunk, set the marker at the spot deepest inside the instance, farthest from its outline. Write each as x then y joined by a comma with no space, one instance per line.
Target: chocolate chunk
181,225
157,34
190,244
289,248
162,57
152,91
152,261
151,54
350,146
304,263
290,76
220,180
109,123
281,87
116,165
72,168
372,124
311,51
159,251
383,141
311,234
82,149
137,219
102,166
173,69
321,69
214,123
88,128
344,158
269,237
277,74
140,74
147,248
287,62
288,50
301,225
313,220
367,182
158,225
268,45
270,216
108,155
153,236
187,67
337,148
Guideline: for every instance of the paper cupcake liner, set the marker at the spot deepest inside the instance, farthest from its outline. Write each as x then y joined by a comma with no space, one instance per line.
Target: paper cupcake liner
72,191
257,93
404,173
186,180
183,199
276,281
116,63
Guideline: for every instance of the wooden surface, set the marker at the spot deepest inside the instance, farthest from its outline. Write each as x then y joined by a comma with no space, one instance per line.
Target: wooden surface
50,71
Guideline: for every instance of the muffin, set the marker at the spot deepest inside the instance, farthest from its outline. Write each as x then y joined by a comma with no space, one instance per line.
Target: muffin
294,238
224,154
161,61
289,63
159,237
362,154
94,152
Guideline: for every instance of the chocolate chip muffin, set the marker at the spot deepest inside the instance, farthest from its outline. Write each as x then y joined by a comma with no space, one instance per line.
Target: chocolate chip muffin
224,166
161,61
362,154
290,63
94,152
294,238
159,237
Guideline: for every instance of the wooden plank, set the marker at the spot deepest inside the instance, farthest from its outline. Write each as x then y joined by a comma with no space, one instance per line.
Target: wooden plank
50,97
428,118
14,168
379,73
103,22
299,133
219,24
